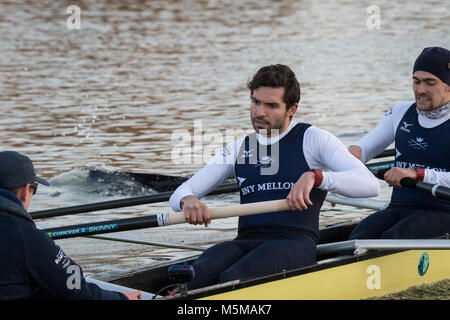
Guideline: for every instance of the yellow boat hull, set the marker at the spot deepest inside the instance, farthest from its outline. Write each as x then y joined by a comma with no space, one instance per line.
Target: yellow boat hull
355,280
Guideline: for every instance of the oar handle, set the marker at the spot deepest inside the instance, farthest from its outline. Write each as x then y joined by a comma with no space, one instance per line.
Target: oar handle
435,190
236,210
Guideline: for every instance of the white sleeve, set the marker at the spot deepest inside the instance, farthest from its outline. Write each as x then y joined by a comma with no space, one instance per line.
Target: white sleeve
383,135
342,172
437,177
209,177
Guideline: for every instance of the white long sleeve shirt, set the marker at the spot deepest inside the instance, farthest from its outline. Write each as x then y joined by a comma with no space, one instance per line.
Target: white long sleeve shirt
342,172
384,134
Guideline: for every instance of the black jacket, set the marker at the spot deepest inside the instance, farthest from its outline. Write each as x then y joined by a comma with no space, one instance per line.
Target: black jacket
32,266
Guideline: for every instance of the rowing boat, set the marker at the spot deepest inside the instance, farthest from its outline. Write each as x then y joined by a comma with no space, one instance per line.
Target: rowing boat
344,269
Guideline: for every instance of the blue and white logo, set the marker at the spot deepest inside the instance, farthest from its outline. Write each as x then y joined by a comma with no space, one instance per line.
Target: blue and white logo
247,154
405,126
424,263
418,143
265,162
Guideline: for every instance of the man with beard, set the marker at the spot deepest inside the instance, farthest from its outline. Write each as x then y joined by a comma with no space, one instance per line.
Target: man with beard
421,132
281,159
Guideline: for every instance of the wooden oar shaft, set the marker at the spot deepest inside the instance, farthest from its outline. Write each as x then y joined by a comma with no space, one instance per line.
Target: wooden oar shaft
161,219
236,210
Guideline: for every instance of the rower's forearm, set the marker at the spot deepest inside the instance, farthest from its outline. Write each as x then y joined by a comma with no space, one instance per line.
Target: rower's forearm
437,177
201,183
377,140
355,183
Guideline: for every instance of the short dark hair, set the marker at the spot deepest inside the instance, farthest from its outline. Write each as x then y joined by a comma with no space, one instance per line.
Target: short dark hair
277,76
16,191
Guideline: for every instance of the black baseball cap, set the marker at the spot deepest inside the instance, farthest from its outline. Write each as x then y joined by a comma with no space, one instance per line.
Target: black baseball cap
17,170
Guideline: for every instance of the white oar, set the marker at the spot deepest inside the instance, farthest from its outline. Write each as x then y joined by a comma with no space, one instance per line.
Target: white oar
356,202
234,210
361,246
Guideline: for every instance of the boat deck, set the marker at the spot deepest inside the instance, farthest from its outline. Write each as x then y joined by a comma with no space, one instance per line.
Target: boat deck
369,272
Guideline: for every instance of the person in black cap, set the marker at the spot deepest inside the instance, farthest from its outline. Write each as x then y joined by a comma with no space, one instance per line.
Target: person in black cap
32,266
17,175
421,131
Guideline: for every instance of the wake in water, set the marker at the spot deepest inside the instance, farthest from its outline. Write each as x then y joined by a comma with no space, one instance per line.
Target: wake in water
96,181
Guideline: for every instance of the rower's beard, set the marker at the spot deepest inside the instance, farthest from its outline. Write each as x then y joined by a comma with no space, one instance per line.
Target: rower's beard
436,113
271,130
424,103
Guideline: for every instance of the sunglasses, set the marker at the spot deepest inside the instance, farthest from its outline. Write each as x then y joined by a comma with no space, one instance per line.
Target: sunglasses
34,186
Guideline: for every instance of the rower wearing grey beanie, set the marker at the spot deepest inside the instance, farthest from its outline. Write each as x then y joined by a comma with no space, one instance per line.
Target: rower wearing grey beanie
420,130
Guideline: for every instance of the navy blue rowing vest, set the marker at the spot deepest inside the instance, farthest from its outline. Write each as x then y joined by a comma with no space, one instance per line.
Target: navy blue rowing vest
423,148
255,186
